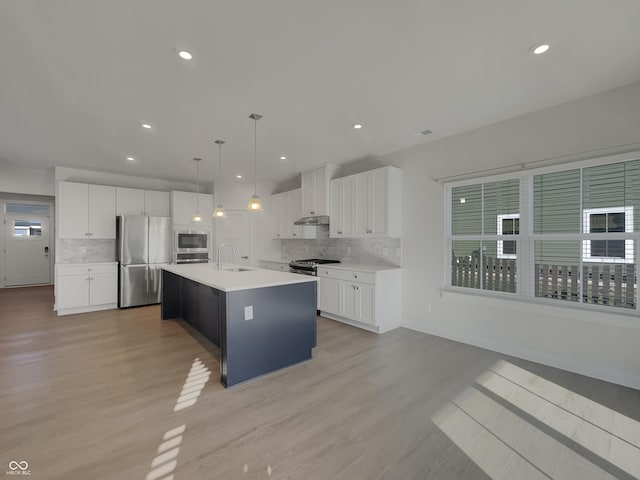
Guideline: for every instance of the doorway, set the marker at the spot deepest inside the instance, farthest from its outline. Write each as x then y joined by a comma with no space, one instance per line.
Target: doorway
235,229
27,252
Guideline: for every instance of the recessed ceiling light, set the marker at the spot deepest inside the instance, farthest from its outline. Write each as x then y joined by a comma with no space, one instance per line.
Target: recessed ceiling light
146,125
283,157
185,55
131,159
238,176
463,200
540,49
357,126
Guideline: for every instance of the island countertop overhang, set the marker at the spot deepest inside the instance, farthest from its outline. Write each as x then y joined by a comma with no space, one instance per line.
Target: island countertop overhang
230,281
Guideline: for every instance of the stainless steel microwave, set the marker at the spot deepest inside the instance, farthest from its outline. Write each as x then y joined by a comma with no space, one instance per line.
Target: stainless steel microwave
191,241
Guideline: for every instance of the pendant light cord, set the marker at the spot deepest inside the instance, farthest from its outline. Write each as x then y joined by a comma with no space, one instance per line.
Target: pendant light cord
197,185
219,170
255,157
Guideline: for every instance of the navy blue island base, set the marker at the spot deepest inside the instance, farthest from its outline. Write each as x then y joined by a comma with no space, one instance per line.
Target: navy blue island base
281,332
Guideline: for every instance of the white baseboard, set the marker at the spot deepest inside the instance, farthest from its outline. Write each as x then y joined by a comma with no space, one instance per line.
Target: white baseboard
91,308
632,381
353,323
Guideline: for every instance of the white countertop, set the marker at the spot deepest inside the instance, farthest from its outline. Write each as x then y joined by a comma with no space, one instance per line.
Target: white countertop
358,267
227,281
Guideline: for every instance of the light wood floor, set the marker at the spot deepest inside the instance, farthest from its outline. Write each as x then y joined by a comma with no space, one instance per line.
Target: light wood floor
93,396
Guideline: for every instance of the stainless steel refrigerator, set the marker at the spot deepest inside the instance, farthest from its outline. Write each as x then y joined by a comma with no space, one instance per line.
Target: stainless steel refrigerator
144,245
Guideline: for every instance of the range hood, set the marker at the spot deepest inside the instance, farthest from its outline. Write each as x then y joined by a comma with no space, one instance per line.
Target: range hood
312,221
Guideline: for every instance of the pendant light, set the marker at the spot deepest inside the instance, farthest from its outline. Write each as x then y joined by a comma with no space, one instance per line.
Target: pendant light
255,205
196,216
219,211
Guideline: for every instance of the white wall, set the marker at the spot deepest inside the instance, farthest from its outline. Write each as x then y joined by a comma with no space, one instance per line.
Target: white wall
129,181
597,344
32,181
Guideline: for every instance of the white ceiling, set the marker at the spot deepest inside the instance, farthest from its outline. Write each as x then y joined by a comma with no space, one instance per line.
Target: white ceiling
78,77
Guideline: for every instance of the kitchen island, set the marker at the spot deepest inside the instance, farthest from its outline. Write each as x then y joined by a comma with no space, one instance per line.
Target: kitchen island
262,320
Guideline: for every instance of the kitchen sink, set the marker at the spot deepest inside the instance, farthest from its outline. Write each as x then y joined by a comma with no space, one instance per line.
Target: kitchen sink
238,269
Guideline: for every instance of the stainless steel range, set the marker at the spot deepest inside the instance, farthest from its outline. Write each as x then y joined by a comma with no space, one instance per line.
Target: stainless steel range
309,266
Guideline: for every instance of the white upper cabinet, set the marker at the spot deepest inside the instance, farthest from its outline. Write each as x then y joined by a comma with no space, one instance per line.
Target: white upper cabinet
86,211
279,205
287,209
72,203
315,190
157,204
183,206
129,201
367,204
134,201
342,201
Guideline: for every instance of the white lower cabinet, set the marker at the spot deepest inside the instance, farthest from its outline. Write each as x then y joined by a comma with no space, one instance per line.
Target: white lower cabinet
329,295
369,298
86,287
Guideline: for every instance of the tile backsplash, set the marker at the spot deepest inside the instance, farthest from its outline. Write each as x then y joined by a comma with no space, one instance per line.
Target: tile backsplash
369,251
85,251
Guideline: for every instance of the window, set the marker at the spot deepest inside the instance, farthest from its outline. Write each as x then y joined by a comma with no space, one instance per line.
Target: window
581,227
482,215
608,220
27,228
26,209
508,224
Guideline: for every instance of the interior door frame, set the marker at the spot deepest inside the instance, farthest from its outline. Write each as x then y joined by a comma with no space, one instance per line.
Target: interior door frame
17,198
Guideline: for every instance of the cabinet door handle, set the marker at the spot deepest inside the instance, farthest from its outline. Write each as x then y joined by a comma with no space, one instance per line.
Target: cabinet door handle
339,232
295,234
355,276
277,234
88,278
245,257
312,213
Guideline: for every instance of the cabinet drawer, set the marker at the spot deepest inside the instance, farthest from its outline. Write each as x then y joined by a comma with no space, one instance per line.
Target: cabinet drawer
79,269
73,270
283,267
329,273
109,268
362,277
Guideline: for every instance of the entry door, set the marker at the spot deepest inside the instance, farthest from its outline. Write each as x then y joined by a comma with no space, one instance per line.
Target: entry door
27,250
235,229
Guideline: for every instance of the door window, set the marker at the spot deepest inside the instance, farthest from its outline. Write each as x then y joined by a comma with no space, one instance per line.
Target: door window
27,228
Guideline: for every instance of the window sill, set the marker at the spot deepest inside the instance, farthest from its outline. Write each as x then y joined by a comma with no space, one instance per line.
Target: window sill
598,314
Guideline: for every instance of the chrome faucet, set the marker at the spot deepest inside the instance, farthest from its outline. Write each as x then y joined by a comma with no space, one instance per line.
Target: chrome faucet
220,248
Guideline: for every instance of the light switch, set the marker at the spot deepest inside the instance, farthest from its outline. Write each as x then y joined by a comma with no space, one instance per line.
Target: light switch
248,312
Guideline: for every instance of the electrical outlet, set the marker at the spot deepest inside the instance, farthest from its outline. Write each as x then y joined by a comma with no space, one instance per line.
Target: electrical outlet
397,251
248,312
385,252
